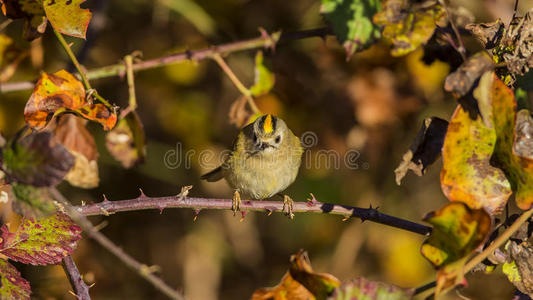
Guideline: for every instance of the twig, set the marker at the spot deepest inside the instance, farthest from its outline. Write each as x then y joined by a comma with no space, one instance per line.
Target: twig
144,202
142,269
119,69
244,91
499,241
4,24
132,100
461,48
81,289
81,73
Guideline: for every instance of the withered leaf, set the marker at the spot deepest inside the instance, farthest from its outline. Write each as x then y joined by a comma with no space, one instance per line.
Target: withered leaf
37,159
68,17
462,80
62,92
489,34
300,283
424,150
72,133
126,142
519,269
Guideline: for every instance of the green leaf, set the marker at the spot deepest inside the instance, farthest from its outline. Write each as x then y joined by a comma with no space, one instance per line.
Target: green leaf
264,79
457,232
126,142
67,17
467,174
351,21
32,202
364,289
41,242
37,159
12,285
513,148
406,25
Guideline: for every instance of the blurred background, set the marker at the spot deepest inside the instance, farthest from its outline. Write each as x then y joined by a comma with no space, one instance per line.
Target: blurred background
372,105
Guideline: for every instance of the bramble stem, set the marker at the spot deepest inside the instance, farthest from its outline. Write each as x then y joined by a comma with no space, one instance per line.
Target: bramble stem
81,290
264,41
144,202
141,269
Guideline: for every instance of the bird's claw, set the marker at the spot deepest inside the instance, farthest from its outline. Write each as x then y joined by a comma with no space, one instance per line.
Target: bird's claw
289,204
236,203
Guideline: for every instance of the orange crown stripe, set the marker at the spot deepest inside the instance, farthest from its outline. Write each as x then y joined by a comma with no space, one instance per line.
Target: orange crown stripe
267,125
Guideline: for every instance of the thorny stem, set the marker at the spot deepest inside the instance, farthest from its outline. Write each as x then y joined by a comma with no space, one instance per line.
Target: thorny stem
141,269
81,290
144,202
244,91
81,73
499,241
264,41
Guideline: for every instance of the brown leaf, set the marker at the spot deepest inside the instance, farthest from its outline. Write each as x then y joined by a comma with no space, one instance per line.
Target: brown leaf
424,150
300,283
462,80
238,114
489,34
126,142
71,132
521,256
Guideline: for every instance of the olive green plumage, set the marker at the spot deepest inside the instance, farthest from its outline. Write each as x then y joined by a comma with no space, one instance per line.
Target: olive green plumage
265,159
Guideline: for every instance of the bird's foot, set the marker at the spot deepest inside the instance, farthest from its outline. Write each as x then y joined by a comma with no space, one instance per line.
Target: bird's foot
236,203
289,204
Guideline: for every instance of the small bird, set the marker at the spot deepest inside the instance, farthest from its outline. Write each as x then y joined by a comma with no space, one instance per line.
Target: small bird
264,161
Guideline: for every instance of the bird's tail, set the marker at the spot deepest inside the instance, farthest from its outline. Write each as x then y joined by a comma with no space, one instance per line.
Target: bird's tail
214,175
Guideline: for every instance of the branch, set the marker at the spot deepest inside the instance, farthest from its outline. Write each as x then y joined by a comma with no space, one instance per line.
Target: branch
264,41
144,202
142,269
81,290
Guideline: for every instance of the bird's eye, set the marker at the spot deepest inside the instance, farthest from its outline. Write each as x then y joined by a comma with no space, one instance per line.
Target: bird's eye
278,139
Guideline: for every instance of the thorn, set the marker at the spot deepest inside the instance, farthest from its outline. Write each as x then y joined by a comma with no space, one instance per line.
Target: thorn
311,201
161,209
266,35
83,203
105,198
70,45
269,212
196,213
142,193
92,284
104,211
184,191
345,218
243,214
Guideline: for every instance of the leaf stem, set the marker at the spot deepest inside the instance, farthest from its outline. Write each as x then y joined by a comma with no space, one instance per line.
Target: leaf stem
81,73
238,84
144,202
141,269
81,290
